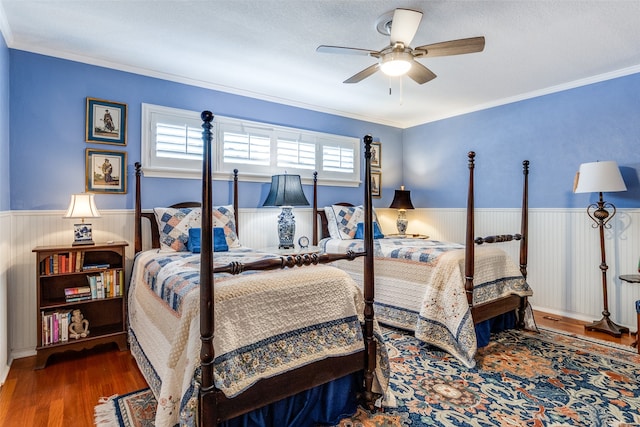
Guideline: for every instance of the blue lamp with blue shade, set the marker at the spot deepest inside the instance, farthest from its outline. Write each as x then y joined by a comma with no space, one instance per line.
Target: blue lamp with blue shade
286,191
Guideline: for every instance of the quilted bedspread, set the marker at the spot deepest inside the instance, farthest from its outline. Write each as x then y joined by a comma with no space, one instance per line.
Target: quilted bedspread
420,287
266,323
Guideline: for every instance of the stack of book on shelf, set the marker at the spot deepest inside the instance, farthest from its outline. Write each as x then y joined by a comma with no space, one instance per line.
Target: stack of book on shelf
107,284
55,326
66,262
81,293
94,267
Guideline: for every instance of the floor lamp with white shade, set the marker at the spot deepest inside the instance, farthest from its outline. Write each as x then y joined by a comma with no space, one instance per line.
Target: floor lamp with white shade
601,177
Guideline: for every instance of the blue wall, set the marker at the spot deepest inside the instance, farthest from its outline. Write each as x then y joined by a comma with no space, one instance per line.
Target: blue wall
48,127
555,132
5,187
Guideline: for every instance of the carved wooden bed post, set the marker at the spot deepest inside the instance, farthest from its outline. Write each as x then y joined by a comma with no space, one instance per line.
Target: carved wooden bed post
370,343
469,243
314,239
138,212
524,221
524,242
235,200
207,392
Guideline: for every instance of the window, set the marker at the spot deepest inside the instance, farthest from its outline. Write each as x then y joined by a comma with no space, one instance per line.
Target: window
172,147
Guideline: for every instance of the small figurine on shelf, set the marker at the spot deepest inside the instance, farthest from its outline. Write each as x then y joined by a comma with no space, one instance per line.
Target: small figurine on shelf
79,327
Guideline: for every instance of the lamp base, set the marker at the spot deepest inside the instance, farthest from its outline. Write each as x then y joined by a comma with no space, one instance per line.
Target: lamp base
402,222
607,326
82,234
286,228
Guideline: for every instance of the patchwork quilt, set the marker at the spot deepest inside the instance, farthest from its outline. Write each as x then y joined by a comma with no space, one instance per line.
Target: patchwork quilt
419,286
266,323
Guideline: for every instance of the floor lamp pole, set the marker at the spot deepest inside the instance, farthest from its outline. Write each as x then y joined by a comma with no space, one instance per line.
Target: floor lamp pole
599,214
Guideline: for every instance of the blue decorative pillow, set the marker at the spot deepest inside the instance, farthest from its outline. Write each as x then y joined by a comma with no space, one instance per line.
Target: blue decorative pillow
377,233
219,240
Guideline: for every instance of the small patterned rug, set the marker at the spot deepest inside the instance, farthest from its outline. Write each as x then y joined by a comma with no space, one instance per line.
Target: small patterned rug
522,378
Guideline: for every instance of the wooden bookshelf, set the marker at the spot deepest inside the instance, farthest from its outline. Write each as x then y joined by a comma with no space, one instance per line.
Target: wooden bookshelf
68,267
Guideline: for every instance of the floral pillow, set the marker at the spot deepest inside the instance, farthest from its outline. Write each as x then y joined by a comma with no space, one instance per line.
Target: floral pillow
343,221
174,225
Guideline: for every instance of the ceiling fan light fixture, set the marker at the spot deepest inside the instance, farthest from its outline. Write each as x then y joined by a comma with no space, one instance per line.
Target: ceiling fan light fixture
396,63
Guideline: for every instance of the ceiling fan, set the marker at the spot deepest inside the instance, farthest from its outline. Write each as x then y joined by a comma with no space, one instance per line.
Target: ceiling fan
399,58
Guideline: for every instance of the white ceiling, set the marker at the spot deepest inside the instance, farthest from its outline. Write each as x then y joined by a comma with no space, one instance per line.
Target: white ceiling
267,49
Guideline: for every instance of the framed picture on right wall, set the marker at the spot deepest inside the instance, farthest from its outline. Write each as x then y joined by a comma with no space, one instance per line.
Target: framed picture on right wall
376,183
376,155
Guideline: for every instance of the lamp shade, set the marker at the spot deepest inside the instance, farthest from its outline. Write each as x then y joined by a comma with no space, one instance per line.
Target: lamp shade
600,177
82,206
402,200
286,190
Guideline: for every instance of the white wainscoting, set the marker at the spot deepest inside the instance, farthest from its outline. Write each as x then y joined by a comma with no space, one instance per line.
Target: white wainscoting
564,254
5,262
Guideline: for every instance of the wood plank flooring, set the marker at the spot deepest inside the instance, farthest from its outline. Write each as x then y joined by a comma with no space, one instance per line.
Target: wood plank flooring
66,391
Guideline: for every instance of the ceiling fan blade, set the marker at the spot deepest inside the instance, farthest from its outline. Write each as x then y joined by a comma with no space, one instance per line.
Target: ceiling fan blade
363,74
452,47
404,25
419,73
345,50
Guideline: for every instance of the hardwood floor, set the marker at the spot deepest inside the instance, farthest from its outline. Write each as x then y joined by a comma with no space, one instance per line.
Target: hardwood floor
66,391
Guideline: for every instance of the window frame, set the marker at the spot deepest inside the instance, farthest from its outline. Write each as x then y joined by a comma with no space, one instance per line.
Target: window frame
157,166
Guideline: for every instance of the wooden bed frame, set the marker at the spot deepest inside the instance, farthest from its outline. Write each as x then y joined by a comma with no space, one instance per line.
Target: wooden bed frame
490,309
215,407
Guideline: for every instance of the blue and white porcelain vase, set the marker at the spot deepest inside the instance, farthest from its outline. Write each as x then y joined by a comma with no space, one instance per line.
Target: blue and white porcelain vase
286,227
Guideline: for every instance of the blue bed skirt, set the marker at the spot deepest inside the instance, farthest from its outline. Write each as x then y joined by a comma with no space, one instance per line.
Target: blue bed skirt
325,405
496,324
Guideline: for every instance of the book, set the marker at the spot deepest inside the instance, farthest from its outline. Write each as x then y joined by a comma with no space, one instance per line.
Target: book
55,325
95,267
65,319
79,298
93,286
77,290
99,287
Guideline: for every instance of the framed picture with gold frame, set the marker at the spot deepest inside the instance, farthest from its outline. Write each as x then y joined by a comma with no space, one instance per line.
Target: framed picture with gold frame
106,171
376,155
106,122
376,184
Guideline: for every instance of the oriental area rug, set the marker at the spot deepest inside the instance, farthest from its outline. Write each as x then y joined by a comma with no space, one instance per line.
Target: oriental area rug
522,378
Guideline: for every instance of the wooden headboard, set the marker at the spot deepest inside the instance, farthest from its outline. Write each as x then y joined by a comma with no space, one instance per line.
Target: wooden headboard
155,232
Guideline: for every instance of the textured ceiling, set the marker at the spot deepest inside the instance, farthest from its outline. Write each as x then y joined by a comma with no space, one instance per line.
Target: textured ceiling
266,49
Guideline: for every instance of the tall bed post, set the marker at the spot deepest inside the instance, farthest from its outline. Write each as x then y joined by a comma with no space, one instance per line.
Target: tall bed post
235,199
207,395
524,241
469,249
137,247
524,222
315,209
370,343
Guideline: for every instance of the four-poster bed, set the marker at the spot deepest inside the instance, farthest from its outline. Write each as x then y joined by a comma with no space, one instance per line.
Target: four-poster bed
450,295
249,355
